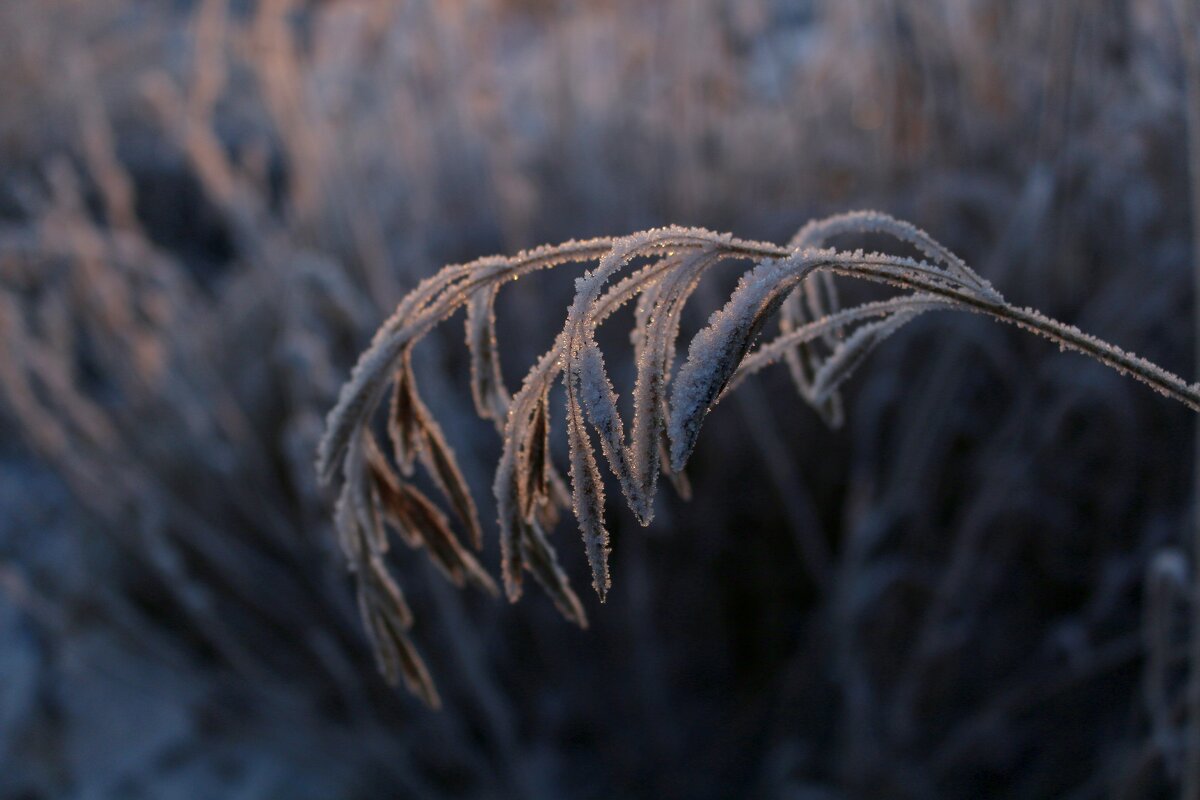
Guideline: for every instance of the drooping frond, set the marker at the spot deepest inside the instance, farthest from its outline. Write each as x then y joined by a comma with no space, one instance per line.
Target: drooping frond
821,343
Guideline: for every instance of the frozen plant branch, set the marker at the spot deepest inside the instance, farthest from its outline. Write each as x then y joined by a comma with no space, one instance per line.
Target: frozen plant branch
821,344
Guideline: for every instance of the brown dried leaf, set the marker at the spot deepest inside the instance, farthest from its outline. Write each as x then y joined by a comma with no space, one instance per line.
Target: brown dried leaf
541,560
533,460
403,425
439,460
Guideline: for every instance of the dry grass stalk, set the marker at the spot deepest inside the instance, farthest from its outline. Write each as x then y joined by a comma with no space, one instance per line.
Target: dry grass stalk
821,344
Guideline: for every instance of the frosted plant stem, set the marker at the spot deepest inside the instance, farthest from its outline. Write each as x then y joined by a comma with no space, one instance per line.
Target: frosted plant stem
664,267
1072,338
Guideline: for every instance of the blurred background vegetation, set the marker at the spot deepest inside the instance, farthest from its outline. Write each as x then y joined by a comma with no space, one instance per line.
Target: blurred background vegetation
207,206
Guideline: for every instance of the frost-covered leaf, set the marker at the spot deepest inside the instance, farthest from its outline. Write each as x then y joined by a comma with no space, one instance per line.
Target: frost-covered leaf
387,592
511,521
714,355
394,652
654,364
535,460
818,232
455,561
487,383
594,393
403,424
588,498
345,525
438,459
847,358
539,556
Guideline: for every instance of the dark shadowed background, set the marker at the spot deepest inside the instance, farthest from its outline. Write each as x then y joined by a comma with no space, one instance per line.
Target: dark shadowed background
207,207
